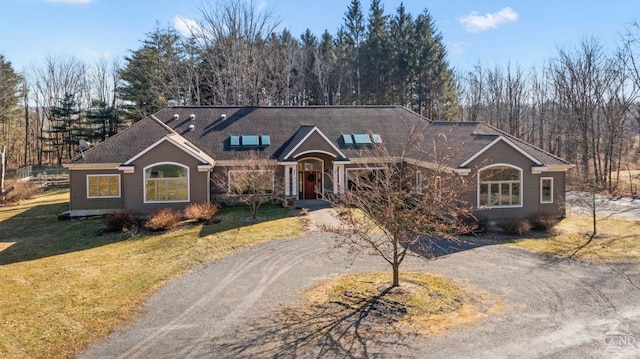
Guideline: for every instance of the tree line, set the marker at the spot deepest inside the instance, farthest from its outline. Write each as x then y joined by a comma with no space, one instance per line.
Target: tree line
581,105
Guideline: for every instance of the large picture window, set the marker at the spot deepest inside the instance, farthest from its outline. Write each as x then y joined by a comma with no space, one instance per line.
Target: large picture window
546,190
166,182
103,186
500,186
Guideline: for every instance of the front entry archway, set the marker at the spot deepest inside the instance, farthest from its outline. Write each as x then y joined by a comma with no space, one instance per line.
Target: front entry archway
311,181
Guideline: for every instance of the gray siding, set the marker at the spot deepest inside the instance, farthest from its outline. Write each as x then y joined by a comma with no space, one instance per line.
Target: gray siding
315,142
78,193
164,152
503,153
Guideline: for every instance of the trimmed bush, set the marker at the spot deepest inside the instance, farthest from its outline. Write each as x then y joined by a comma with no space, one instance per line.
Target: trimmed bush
201,212
121,222
163,219
543,222
515,226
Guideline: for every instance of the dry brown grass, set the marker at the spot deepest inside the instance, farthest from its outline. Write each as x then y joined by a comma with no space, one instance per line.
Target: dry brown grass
425,304
361,316
64,288
618,240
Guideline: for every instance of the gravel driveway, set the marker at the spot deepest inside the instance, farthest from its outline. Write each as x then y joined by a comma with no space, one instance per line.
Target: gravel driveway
554,308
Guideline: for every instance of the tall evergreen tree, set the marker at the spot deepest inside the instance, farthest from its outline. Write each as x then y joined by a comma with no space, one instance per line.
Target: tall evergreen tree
376,51
62,135
153,74
354,31
310,89
435,84
326,69
403,53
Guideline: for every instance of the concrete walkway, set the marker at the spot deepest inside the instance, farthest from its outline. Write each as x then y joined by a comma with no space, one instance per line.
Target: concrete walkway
320,214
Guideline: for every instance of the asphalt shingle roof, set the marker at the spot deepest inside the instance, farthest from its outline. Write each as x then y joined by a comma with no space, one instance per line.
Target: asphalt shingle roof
286,126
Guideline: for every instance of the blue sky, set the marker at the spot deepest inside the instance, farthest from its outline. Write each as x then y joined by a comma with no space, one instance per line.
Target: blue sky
489,32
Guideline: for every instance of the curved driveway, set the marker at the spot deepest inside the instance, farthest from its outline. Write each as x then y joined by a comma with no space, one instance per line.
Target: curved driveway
554,308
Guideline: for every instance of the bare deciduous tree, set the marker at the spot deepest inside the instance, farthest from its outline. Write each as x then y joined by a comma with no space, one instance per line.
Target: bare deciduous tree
409,198
251,182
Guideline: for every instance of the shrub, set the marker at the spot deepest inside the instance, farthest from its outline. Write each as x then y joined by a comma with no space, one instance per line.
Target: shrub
543,222
473,225
21,191
163,219
515,226
200,212
121,222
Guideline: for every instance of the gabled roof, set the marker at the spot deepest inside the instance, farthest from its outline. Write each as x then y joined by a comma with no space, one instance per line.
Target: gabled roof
303,135
210,128
126,143
181,143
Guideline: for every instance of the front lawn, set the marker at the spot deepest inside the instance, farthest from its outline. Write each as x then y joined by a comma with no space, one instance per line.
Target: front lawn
617,240
63,287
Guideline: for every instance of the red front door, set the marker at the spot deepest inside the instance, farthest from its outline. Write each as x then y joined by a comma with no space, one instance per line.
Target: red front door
311,180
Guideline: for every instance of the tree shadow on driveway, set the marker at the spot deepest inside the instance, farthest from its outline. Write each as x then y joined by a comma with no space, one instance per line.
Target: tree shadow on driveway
367,327
434,247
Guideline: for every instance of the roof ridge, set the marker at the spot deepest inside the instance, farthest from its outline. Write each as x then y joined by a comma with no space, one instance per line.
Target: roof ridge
119,133
167,127
288,107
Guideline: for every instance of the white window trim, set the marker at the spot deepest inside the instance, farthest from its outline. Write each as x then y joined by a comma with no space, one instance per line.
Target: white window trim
273,184
481,182
105,175
144,179
542,179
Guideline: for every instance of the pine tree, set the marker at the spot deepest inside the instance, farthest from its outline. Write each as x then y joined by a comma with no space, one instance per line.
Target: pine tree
434,81
403,52
354,31
376,51
64,128
153,75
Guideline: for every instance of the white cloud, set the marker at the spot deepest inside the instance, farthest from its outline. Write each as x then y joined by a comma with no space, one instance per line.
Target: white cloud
262,4
96,54
476,23
70,1
185,26
456,48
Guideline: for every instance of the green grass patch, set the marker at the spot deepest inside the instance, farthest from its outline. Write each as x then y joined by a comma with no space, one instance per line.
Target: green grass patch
617,240
63,287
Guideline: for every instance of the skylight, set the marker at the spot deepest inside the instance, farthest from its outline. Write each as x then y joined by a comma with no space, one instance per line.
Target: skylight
376,138
250,140
361,139
346,138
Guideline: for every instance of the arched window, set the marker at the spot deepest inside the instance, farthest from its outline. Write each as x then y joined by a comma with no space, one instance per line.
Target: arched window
500,186
166,182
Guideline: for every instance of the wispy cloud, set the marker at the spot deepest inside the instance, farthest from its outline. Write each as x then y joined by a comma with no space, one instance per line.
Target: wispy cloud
96,54
456,48
262,4
185,26
70,1
477,23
